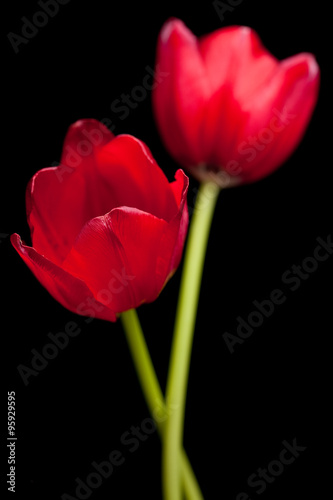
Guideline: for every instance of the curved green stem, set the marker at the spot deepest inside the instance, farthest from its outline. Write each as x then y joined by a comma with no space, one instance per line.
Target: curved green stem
183,336
153,394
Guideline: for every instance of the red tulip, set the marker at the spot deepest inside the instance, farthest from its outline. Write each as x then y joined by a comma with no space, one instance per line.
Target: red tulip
107,227
228,109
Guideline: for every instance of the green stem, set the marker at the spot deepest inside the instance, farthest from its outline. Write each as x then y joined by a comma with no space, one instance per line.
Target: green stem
153,394
183,337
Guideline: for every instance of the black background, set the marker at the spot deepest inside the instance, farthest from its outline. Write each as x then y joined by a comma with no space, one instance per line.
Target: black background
240,406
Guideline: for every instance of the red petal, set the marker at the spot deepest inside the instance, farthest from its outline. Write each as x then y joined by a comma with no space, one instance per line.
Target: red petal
132,178
70,291
235,57
278,117
60,200
237,66
115,255
81,138
179,100
127,255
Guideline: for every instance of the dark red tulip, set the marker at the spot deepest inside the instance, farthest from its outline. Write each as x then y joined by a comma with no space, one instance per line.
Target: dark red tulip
107,227
229,110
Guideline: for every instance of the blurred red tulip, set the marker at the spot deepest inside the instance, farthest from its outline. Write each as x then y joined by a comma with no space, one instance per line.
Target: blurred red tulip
107,227
229,110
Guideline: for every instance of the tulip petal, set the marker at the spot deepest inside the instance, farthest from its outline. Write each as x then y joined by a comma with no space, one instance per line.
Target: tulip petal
115,255
180,99
127,255
70,291
278,117
60,200
132,178
234,57
237,66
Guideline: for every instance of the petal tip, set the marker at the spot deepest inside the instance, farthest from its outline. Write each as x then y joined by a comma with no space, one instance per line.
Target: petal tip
174,27
313,67
180,174
86,134
15,240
